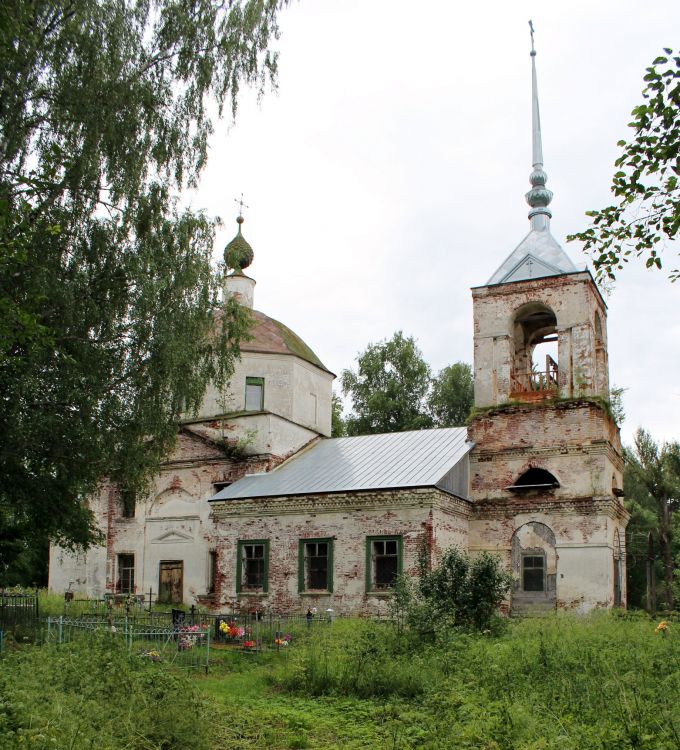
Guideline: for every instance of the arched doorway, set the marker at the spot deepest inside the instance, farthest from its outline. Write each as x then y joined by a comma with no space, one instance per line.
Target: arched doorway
534,567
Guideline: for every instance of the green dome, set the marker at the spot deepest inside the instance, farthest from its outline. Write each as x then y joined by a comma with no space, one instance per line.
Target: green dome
238,254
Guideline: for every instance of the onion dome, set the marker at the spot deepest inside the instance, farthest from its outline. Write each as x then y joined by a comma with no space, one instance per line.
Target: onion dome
238,254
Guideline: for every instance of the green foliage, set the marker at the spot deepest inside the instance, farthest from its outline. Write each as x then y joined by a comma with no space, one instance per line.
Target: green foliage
394,390
555,683
451,395
459,592
91,694
109,326
389,389
369,661
338,427
616,408
646,182
652,481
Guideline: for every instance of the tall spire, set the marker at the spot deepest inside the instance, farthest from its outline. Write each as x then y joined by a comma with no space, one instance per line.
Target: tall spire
539,196
538,254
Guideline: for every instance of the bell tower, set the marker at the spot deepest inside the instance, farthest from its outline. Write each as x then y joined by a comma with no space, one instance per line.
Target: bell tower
546,472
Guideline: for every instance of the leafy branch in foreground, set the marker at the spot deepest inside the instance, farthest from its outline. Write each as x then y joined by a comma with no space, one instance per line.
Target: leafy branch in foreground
109,323
647,214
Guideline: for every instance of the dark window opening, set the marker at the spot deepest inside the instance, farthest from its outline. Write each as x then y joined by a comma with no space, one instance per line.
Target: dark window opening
254,394
127,504
533,573
535,478
316,566
126,574
252,562
212,570
385,563
217,486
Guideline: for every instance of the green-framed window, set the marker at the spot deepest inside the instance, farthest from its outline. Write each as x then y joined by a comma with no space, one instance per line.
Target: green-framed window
254,394
384,561
533,572
252,565
315,564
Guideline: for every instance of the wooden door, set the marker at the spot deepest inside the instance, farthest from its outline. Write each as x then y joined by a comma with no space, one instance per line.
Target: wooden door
171,582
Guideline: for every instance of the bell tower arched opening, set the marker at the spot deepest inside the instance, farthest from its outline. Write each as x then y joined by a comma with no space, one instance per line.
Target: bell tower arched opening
534,367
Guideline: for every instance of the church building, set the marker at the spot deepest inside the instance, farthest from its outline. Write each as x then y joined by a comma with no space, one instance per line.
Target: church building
258,508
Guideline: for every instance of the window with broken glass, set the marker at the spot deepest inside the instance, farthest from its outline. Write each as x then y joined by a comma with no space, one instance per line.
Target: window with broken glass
533,573
252,565
315,565
126,574
383,562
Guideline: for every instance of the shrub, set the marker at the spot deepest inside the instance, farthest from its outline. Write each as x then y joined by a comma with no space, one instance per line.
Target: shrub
460,592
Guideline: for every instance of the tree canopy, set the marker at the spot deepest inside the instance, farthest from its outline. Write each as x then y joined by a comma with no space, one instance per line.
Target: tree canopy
109,326
452,395
389,388
652,481
647,213
393,390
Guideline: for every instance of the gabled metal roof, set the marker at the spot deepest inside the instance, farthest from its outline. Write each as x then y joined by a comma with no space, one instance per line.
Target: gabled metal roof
537,255
423,458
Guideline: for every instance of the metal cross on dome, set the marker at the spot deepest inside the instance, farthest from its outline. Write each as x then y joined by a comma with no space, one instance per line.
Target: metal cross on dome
241,205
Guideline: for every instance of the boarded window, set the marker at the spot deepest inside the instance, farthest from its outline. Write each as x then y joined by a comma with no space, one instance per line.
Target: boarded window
383,563
171,582
126,574
254,394
253,561
533,573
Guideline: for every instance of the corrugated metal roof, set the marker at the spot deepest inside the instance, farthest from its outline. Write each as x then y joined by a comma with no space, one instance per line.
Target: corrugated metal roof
399,459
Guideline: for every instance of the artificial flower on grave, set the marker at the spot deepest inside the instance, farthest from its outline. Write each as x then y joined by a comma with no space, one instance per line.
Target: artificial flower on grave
662,627
188,635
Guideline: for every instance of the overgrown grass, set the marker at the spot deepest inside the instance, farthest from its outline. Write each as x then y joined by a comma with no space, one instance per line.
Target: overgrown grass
53,605
602,682
89,694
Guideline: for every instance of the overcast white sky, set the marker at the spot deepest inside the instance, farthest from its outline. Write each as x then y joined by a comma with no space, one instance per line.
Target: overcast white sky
387,175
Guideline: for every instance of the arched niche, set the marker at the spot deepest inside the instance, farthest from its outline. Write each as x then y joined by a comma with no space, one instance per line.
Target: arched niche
597,327
535,360
618,569
172,503
534,478
534,564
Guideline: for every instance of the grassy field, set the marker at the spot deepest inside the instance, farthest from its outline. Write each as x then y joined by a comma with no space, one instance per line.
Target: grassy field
604,681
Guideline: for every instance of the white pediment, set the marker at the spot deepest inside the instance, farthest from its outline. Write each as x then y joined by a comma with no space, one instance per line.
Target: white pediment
531,267
172,530
173,537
